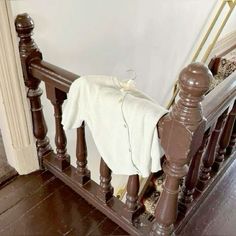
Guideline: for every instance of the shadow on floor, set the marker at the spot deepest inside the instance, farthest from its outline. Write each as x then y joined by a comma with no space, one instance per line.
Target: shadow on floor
6,171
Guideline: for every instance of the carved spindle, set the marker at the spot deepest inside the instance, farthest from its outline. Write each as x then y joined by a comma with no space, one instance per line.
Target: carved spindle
192,176
132,207
132,192
105,192
232,142
81,154
29,52
225,138
181,133
57,98
210,153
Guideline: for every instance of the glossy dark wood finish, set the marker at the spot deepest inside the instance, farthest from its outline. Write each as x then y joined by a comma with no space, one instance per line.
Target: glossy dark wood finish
81,154
225,138
29,52
189,126
57,98
232,143
40,204
132,192
132,207
180,143
105,192
216,215
112,209
200,196
191,179
210,153
51,74
213,104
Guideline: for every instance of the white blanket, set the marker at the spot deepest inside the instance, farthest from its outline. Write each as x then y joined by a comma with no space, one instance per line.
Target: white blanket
122,121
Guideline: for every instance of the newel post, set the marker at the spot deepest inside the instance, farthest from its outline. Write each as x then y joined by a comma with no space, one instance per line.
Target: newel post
29,52
181,133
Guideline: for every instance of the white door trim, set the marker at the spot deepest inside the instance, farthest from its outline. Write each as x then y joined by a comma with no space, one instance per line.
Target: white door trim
15,118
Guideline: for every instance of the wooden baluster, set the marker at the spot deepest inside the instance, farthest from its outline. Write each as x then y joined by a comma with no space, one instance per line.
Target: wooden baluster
57,98
181,133
105,192
132,192
225,139
232,142
210,153
28,52
191,179
81,154
132,207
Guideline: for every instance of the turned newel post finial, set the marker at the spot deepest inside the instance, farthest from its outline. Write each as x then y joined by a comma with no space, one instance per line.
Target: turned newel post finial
27,47
24,25
181,133
186,115
194,81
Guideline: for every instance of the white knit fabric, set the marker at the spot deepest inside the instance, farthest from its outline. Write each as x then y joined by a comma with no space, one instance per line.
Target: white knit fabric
122,121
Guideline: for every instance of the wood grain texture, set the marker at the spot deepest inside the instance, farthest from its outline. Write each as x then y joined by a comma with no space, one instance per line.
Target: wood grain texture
40,204
186,122
216,215
6,171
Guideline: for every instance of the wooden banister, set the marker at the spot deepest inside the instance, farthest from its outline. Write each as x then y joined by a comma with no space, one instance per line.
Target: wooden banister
181,133
212,104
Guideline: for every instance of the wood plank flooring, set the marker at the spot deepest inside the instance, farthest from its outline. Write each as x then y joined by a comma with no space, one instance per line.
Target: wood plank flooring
6,171
40,204
217,214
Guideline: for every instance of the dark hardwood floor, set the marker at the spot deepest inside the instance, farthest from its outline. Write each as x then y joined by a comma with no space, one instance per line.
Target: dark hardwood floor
6,171
40,204
217,214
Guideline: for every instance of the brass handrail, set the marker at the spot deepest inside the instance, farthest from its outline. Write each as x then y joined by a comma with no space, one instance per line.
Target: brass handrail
231,4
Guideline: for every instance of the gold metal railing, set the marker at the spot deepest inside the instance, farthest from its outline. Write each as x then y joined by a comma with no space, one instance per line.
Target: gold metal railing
231,5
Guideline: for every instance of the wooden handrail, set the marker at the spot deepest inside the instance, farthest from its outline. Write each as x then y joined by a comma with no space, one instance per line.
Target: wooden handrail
213,104
219,99
53,75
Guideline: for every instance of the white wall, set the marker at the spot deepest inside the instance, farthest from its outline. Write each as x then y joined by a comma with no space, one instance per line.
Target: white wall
155,38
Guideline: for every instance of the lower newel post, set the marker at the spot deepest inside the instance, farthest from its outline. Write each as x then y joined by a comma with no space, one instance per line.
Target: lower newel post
181,133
